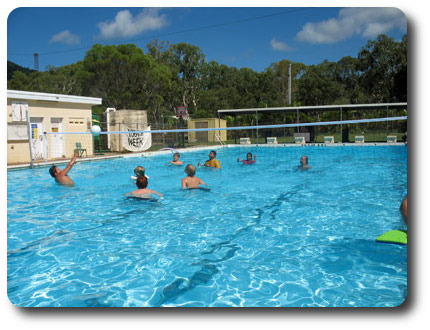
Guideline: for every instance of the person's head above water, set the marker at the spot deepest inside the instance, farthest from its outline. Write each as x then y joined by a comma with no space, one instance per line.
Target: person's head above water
248,156
212,154
54,171
176,156
304,160
190,170
140,170
142,182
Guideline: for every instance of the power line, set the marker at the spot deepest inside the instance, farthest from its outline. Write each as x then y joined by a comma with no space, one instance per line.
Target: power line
173,33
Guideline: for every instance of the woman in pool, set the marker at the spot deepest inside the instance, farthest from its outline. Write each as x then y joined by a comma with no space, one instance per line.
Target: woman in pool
142,183
248,159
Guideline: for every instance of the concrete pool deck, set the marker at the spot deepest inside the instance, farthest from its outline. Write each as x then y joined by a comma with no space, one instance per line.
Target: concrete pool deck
193,149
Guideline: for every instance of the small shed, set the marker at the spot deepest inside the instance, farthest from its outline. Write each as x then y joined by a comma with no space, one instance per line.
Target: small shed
207,136
33,113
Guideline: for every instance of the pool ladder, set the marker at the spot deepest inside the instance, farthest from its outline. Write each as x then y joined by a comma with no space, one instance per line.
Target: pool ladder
218,137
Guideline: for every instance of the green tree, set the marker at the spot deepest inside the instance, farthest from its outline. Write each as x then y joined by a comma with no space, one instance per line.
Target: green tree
189,62
281,72
21,81
125,78
383,66
348,74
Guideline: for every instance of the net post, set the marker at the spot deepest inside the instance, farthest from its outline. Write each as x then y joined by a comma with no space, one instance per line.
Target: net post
235,125
120,137
46,147
163,137
341,126
29,138
387,122
284,124
219,126
256,121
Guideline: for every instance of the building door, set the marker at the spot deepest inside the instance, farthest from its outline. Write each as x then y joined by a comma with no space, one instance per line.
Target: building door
202,136
37,139
57,140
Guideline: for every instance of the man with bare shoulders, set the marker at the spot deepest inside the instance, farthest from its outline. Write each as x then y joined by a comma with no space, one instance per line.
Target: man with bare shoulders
304,163
191,181
61,176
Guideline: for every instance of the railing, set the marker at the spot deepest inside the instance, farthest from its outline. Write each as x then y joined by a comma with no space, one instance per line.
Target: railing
218,137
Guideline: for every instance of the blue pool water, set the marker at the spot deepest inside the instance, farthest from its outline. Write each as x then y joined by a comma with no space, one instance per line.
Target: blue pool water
266,235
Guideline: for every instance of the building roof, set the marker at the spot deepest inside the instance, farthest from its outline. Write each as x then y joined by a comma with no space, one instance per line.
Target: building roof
320,108
24,95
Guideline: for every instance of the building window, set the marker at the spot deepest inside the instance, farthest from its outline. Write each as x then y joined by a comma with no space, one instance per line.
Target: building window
76,121
19,111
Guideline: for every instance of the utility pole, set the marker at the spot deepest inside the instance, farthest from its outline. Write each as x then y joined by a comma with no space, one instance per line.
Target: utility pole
36,61
289,84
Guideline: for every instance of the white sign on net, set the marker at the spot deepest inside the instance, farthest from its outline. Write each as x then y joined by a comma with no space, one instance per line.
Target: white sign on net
137,141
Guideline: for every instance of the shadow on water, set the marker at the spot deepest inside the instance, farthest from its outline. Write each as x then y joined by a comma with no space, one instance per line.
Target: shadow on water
67,235
35,245
209,266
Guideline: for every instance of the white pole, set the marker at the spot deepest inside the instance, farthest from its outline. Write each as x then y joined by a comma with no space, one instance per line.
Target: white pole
29,137
256,120
108,123
46,147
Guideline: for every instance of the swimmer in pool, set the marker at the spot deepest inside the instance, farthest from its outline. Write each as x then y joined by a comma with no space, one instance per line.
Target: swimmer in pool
212,162
248,159
304,163
176,160
140,170
191,181
142,183
61,176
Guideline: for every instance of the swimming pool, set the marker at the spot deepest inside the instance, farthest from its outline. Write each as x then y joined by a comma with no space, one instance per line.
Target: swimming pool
265,235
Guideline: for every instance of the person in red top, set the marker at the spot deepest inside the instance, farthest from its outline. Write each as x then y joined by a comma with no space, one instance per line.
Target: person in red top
248,159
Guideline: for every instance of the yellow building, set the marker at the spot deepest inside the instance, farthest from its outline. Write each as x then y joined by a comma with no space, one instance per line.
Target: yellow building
207,136
30,113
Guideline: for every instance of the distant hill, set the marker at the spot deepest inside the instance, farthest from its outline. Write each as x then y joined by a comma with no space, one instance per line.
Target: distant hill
12,67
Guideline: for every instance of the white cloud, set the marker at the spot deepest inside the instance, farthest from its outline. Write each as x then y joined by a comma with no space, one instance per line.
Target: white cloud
65,37
364,22
280,46
126,25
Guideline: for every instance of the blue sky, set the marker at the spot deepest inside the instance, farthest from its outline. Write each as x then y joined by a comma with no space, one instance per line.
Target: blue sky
239,37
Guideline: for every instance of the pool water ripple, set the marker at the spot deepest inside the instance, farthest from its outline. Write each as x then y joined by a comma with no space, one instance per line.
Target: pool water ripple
264,235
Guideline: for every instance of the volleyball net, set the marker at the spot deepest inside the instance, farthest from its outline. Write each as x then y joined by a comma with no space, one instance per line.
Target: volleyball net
139,137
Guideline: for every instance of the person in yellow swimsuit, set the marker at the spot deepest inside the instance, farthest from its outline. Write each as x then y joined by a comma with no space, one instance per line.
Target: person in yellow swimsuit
212,162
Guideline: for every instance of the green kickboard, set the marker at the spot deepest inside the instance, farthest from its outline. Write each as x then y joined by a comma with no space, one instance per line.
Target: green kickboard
394,236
